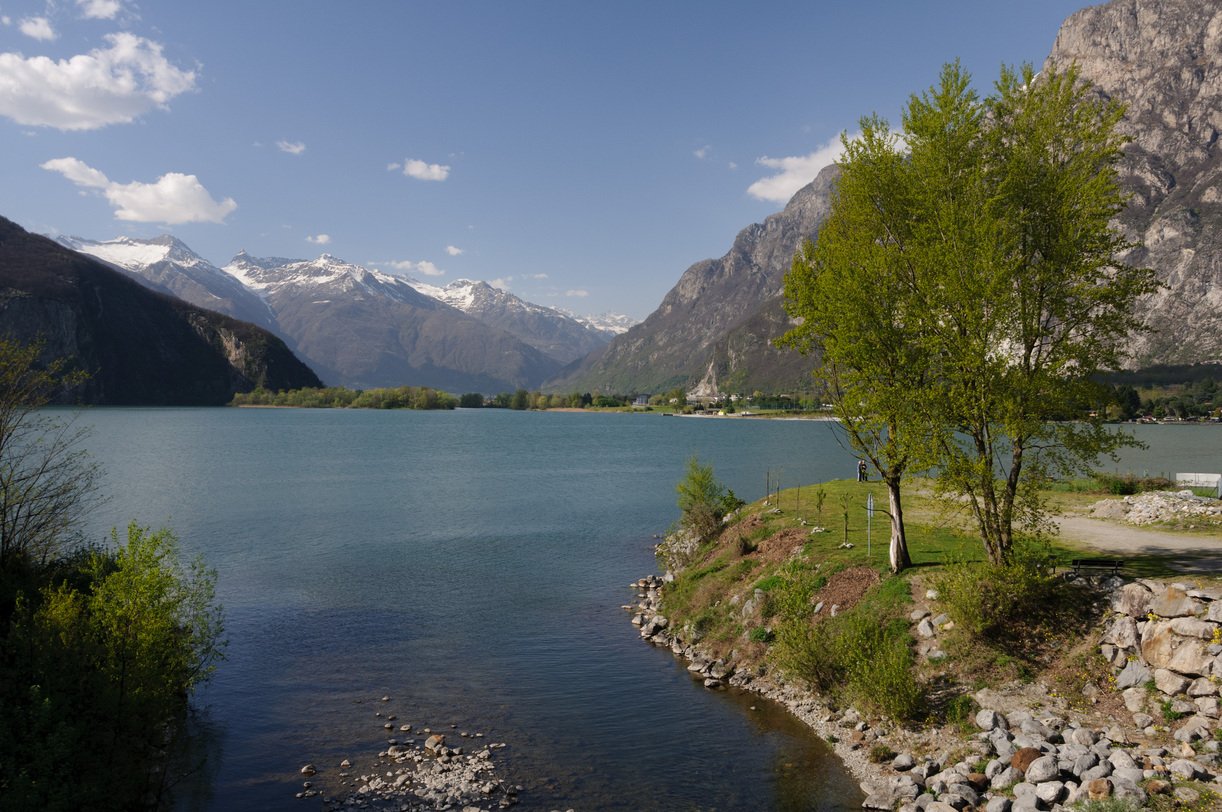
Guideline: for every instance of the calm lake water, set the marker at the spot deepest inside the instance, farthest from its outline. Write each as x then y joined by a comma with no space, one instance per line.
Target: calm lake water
471,565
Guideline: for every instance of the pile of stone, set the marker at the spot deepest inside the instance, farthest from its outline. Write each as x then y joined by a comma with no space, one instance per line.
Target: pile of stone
1165,642
1042,763
1176,507
412,775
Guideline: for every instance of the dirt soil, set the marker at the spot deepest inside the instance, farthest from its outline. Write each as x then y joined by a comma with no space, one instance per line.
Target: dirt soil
1190,552
845,588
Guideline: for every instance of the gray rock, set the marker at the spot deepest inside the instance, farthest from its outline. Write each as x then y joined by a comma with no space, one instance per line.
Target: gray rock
1122,760
1192,627
1122,633
1101,770
1083,736
990,720
1050,792
1169,682
1085,762
1130,774
1203,686
941,620
1142,720
918,615
925,629
999,803
1042,769
1124,788
1185,769
1135,673
1006,778
903,762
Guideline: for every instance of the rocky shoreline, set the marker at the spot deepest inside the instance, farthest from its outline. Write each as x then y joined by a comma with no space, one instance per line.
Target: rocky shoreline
1031,751
420,769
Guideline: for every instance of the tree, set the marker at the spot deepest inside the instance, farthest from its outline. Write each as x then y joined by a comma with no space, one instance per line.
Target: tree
46,478
969,287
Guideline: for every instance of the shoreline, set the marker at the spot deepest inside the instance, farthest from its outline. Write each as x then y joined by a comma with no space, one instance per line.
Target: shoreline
1020,729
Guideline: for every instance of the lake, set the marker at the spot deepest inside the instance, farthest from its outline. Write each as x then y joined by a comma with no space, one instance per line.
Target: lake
471,565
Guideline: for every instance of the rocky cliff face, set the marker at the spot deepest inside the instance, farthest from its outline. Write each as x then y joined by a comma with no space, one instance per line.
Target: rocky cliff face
713,299
139,346
1163,60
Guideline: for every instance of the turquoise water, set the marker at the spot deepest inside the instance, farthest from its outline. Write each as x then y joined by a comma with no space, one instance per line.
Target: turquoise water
471,565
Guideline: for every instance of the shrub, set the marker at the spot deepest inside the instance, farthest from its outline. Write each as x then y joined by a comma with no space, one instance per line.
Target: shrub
988,599
703,501
760,635
862,655
880,753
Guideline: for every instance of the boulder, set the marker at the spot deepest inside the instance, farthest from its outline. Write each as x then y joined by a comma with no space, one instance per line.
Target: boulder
1185,769
1041,770
1174,602
1161,647
903,762
1006,778
1024,758
1133,600
998,804
1050,792
1192,627
1122,633
1169,682
1202,686
990,720
1207,706
1135,673
925,628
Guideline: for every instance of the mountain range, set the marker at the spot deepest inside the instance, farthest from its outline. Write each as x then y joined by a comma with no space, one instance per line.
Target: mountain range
1161,58
364,328
139,346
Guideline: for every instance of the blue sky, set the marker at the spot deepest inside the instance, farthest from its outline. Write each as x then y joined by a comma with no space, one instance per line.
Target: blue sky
580,154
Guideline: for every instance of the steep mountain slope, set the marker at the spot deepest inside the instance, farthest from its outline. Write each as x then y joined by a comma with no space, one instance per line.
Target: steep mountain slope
140,347
1163,60
555,334
674,345
364,328
166,264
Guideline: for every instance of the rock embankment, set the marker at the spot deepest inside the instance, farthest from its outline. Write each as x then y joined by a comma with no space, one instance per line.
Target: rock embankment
1032,752
1157,507
420,769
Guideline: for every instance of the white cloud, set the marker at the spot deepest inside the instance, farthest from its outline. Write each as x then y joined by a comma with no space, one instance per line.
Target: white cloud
99,9
577,294
419,170
38,28
702,152
394,166
423,267
501,283
793,173
536,276
453,250
172,199
291,147
319,239
6,20
113,85
732,165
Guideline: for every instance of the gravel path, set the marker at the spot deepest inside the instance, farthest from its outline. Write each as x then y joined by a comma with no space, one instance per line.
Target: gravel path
1192,552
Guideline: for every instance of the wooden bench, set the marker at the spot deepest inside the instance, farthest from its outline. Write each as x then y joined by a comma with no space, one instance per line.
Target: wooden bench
1088,566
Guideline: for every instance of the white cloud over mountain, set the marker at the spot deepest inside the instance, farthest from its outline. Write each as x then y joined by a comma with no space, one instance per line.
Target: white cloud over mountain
172,199
793,172
112,85
319,239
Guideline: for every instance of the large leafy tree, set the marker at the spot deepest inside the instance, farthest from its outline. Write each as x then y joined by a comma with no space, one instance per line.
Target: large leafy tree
976,289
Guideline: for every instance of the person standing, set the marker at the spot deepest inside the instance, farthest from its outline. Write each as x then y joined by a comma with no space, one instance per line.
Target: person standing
861,470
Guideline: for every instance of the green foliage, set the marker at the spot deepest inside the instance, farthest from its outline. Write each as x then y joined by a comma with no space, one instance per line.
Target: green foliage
960,711
760,635
863,655
880,753
98,666
998,601
335,397
703,501
966,287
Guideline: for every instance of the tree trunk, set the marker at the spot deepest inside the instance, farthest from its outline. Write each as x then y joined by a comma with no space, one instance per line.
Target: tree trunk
899,540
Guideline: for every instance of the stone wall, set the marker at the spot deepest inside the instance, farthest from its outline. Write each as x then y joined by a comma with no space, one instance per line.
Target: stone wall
1165,642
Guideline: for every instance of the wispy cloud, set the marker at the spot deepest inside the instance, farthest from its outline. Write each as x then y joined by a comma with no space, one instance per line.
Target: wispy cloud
702,152
537,276
793,173
319,239
420,170
38,28
291,147
172,199
99,9
577,293
453,250
112,85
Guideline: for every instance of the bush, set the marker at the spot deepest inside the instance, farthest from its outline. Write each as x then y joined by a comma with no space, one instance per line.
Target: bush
703,501
863,656
988,600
